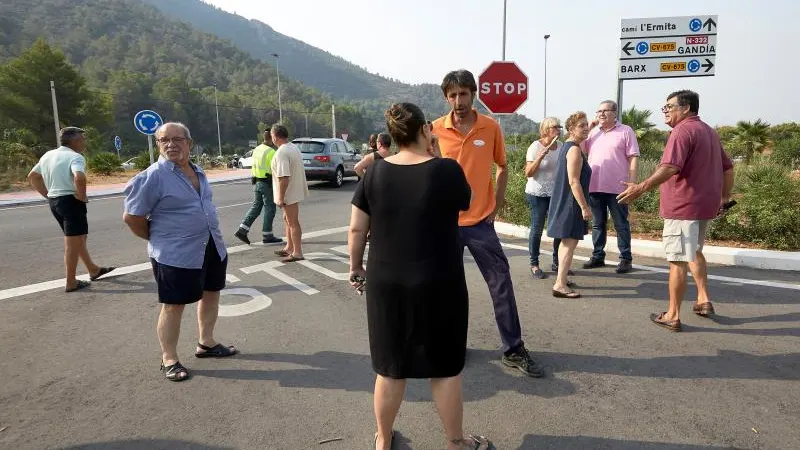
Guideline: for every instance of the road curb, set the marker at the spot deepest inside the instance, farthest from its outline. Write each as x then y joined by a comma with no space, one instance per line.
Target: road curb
742,257
106,192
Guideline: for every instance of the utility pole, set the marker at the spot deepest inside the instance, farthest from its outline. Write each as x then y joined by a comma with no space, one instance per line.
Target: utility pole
55,112
546,37
333,119
278,73
216,106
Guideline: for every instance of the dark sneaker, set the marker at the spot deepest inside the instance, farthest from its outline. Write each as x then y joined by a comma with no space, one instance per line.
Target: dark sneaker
624,266
241,233
594,263
538,274
271,240
523,362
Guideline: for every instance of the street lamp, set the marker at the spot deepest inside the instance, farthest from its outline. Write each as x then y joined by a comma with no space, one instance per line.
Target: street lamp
546,37
216,107
278,73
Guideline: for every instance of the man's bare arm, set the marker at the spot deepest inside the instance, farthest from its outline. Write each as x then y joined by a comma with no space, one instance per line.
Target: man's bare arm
80,186
633,169
139,225
283,186
37,182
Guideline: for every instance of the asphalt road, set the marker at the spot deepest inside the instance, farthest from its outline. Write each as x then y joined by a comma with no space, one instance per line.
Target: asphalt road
81,370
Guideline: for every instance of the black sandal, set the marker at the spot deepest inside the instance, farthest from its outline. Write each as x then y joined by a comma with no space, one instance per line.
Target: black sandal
476,443
175,372
217,351
101,272
80,285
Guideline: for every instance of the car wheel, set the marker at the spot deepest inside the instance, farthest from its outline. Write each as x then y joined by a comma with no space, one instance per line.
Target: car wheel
338,178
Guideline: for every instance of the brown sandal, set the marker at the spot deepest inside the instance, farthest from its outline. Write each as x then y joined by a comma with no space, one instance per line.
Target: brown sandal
703,309
671,325
291,259
568,294
281,253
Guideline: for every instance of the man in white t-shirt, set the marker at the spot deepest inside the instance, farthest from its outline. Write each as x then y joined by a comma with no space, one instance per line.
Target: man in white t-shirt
289,188
60,176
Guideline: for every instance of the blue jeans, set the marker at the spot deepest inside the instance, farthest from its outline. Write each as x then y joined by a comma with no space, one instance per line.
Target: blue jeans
539,207
601,204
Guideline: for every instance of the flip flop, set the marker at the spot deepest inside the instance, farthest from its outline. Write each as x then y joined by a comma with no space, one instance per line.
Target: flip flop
292,258
281,253
671,325
568,294
81,284
101,272
391,442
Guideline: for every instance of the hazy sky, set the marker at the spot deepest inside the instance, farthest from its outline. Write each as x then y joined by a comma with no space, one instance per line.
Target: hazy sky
416,41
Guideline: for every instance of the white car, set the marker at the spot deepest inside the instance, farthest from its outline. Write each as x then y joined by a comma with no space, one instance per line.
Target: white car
246,161
129,164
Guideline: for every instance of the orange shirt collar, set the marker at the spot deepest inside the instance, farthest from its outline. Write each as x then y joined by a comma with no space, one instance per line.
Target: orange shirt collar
480,122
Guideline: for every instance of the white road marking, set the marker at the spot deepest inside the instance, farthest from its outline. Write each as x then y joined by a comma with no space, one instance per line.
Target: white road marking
257,302
61,283
271,269
230,278
739,281
341,276
231,206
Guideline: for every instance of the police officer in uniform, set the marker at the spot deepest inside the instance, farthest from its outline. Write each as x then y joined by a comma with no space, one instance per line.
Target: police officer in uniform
262,198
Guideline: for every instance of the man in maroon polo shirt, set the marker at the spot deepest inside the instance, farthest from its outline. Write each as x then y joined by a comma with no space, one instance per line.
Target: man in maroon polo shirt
696,179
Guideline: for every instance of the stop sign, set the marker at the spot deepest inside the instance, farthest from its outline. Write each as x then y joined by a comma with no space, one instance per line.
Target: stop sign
503,87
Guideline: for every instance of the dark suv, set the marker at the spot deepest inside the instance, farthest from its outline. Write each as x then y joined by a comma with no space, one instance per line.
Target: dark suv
328,159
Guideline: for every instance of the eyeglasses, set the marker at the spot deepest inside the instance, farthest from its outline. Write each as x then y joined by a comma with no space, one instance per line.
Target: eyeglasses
175,140
605,111
668,107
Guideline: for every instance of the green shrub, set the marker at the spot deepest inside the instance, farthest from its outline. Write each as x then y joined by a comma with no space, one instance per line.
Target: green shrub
768,209
516,208
105,163
787,152
142,161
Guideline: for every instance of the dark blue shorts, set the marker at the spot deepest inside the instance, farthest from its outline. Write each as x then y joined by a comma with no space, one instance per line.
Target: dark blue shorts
179,286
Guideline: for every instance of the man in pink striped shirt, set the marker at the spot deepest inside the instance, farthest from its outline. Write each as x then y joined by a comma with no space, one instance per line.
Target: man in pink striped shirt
613,156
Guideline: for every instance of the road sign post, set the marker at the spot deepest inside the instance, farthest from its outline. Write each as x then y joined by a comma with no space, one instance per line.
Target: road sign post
666,47
503,87
147,122
118,144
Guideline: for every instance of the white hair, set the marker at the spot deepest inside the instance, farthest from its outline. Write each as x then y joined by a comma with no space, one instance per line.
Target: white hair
186,133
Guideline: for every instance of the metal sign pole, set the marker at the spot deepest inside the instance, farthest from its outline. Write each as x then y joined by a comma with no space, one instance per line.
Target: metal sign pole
150,147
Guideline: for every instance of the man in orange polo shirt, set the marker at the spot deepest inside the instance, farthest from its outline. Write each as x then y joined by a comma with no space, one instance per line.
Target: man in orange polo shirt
476,142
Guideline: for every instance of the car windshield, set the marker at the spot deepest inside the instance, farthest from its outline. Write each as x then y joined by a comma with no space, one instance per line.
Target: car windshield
310,146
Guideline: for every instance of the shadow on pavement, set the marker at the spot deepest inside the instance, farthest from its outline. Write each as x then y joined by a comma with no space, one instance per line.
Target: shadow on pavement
654,285
534,442
483,376
146,444
726,364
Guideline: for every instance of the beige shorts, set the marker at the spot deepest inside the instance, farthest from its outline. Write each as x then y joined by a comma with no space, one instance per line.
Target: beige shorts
684,238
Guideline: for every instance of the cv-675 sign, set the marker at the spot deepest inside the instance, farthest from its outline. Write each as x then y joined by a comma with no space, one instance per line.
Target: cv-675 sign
667,47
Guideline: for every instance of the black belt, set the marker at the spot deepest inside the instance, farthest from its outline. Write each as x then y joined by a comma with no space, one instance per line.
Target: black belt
269,178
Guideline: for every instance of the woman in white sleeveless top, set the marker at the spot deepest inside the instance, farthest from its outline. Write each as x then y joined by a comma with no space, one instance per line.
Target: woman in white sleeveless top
540,168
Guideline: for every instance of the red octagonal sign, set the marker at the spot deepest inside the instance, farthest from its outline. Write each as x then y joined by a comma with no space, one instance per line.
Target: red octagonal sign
503,87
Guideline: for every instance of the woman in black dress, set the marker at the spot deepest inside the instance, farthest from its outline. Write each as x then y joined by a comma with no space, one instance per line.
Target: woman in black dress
417,303
569,208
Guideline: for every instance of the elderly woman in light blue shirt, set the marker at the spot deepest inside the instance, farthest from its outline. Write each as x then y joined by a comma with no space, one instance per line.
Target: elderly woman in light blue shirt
540,168
170,205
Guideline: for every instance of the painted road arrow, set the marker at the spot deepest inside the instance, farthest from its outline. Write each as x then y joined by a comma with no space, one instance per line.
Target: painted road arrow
627,48
710,23
708,65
